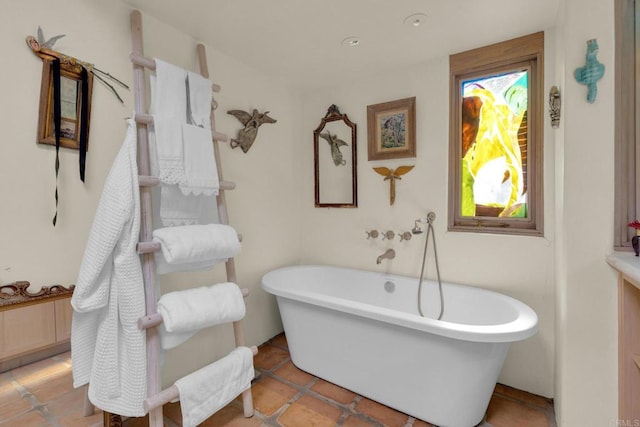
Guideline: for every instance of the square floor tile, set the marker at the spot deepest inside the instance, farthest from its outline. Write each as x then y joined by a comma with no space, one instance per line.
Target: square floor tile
298,415
387,416
269,395
231,416
269,357
280,341
29,419
333,392
291,373
523,396
506,413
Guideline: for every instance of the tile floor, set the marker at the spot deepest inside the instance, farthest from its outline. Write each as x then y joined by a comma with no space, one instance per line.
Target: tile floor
41,394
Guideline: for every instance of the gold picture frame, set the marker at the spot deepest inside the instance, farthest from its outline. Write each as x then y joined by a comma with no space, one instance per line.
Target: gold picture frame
391,129
71,102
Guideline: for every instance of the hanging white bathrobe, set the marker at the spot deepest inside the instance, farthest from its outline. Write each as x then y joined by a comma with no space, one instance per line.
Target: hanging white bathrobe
107,348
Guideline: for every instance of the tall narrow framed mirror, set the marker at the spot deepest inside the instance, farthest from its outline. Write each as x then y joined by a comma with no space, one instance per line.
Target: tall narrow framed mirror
334,142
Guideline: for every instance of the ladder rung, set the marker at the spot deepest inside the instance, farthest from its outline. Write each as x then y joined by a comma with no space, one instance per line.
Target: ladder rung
148,247
151,64
151,181
149,321
147,119
219,136
148,181
227,185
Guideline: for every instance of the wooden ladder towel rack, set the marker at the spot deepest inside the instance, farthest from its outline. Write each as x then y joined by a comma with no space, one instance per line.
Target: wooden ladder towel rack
146,247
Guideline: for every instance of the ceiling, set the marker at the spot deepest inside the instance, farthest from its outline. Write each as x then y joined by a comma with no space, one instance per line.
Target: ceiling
299,41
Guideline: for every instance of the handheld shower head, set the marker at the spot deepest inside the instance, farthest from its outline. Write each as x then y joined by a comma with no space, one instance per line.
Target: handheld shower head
416,229
428,220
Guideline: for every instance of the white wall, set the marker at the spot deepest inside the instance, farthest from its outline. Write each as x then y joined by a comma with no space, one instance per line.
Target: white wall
586,390
262,207
30,247
522,267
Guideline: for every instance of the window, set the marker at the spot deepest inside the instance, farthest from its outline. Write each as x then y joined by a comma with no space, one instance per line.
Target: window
626,116
495,138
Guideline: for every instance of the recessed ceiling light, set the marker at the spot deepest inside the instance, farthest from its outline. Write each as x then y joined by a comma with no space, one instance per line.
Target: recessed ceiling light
351,41
415,20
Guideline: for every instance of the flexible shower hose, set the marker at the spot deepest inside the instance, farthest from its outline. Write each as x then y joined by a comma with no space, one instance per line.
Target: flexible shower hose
424,263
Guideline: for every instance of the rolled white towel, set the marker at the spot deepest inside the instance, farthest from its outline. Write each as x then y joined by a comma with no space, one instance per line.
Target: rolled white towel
197,243
186,312
162,267
209,389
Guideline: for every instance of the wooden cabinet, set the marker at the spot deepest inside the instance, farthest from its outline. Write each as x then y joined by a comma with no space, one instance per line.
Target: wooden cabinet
41,328
628,267
27,328
64,313
629,348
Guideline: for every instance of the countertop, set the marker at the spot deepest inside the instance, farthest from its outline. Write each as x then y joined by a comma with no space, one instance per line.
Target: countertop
626,263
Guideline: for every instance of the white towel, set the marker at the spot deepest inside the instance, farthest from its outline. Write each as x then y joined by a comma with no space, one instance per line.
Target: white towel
200,171
169,149
209,389
196,243
169,109
169,106
200,96
162,267
168,91
177,209
186,312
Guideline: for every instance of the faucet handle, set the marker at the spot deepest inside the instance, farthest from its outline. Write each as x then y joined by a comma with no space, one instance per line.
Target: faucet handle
404,236
389,235
372,234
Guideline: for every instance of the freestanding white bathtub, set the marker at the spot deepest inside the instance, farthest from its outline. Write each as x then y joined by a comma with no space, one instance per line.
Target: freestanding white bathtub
362,331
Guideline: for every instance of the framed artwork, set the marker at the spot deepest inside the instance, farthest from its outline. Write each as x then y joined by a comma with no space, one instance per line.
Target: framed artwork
391,129
71,101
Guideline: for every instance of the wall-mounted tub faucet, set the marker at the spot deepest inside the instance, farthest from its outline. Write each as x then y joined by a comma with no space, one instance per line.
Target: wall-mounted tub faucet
373,234
389,235
404,236
389,254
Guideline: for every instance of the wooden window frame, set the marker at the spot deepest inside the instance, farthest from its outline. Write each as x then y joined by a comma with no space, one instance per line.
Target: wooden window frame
627,197
520,53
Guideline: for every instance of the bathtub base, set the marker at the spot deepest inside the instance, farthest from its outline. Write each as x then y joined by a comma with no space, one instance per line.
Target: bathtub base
440,380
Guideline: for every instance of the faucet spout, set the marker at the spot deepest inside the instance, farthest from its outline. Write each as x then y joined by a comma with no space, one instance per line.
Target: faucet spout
388,254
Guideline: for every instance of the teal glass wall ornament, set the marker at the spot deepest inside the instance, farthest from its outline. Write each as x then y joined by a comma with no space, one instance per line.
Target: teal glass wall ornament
591,72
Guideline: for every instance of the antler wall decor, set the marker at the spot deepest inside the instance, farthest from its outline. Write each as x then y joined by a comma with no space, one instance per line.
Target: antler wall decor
392,175
44,49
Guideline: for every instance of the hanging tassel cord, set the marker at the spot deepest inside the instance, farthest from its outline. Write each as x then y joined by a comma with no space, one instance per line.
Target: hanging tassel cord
84,123
57,118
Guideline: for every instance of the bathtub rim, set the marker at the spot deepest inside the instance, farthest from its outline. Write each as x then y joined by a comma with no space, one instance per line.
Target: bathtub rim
523,327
